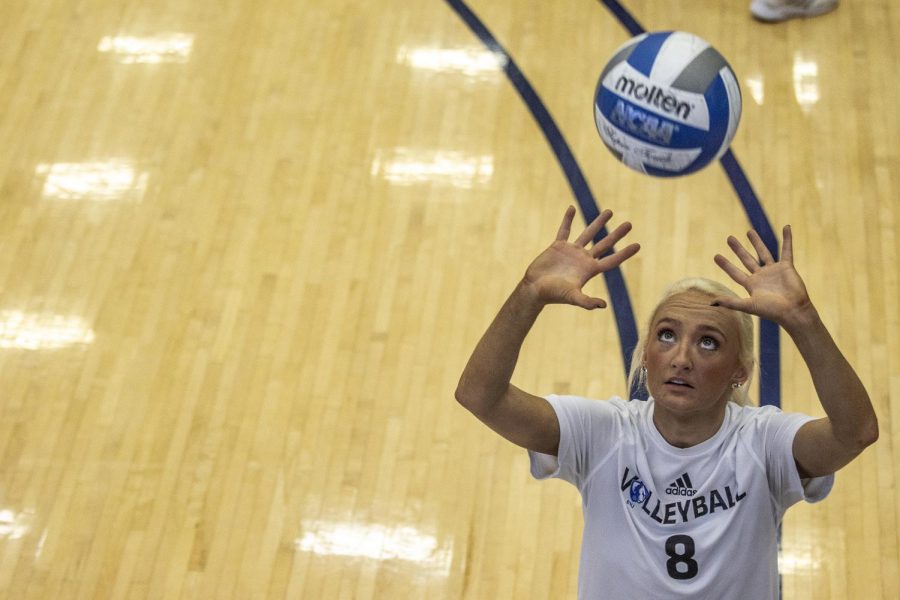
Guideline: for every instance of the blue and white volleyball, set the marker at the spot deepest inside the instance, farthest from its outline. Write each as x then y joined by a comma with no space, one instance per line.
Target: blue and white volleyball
667,104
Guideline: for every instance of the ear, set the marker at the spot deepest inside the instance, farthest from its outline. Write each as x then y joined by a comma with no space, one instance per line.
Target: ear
740,375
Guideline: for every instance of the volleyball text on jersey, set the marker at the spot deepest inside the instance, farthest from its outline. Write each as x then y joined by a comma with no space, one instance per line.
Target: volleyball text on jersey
671,513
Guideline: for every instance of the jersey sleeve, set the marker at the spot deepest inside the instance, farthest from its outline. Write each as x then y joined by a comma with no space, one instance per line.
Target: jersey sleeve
588,432
779,429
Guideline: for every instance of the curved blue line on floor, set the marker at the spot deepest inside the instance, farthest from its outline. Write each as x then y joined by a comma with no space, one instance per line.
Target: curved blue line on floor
615,282
769,345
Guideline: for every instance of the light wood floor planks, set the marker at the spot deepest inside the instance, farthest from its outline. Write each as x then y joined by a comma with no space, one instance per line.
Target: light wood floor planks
246,249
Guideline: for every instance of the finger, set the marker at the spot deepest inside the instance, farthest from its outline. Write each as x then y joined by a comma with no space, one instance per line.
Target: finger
604,245
615,259
765,256
566,226
752,264
736,274
591,231
579,298
787,245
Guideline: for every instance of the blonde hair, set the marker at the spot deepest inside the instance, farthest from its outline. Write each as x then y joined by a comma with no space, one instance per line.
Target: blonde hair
637,376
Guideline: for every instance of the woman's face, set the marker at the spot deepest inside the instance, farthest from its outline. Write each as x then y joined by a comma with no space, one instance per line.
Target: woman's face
692,354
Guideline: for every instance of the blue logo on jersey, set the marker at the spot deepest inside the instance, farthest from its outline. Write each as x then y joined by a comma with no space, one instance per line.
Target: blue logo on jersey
638,491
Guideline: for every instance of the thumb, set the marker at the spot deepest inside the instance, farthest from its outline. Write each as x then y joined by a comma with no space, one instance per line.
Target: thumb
740,304
579,298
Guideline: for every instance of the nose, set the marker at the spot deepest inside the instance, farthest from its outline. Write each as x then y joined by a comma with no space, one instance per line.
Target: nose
681,359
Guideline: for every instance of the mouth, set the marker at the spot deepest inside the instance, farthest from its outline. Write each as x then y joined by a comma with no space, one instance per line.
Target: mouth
676,382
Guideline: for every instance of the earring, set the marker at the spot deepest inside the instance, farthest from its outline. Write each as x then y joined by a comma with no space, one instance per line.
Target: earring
737,385
643,371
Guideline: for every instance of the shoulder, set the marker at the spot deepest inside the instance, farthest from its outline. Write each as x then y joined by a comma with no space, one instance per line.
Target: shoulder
764,416
751,415
613,412
768,425
612,406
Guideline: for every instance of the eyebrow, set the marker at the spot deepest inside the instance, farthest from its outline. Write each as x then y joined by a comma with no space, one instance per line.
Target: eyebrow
703,327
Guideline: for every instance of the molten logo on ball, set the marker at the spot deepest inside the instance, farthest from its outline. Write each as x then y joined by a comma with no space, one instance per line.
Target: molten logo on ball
667,104
653,95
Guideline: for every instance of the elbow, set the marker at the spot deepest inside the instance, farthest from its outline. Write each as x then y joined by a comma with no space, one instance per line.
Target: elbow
869,434
465,399
474,402
864,436
460,396
857,438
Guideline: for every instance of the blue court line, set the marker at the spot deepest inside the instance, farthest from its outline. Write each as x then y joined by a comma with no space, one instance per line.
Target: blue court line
624,17
769,341
769,345
615,282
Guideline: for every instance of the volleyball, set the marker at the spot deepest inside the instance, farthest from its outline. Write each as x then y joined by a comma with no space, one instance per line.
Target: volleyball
667,103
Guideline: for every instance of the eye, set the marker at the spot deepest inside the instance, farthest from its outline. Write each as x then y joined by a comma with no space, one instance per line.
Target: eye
708,343
665,335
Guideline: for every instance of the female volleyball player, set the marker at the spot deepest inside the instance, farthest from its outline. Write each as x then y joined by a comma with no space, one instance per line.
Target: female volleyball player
682,493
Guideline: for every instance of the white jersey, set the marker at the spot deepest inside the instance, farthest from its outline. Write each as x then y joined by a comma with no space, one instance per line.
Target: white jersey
667,522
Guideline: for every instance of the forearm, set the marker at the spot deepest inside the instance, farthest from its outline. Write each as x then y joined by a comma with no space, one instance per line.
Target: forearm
487,375
840,391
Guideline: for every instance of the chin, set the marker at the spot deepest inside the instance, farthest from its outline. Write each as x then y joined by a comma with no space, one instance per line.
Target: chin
687,401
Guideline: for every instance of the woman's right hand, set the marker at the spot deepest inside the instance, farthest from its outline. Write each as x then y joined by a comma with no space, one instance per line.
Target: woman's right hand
557,275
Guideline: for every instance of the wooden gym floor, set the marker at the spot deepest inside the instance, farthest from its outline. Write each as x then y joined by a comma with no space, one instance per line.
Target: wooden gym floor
246,248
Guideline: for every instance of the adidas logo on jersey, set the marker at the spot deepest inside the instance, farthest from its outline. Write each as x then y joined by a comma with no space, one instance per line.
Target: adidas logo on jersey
681,486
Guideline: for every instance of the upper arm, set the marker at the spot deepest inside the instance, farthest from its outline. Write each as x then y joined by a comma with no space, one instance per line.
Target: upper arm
818,451
524,419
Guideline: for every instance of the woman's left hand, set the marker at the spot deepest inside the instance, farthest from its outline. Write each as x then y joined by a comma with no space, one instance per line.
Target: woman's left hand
777,292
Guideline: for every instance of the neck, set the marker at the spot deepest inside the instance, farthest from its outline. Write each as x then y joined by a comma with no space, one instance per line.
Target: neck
686,430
